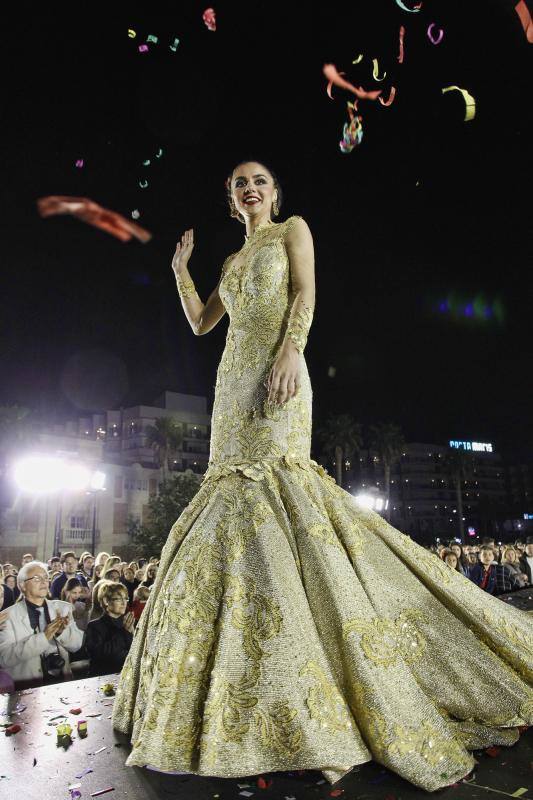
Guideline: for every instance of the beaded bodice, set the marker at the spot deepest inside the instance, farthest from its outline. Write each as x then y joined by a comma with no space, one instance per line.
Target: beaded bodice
256,291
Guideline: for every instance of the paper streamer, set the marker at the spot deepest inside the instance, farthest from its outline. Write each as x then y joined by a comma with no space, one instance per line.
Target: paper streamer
412,10
352,133
209,18
389,101
470,102
401,35
131,33
357,60
376,70
434,39
330,84
525,19
90,212
330,71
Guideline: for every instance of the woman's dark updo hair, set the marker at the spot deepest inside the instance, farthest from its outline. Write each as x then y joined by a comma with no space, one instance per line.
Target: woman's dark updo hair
277,187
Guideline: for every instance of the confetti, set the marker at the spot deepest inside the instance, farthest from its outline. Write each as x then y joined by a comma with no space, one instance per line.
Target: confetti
100,750
151,38
159,153
264,784
331,372
389,101
12,729
79,163
174,46
209,18
357,60
75,711
103,791
330,84
135,214
88,211
413,10
336,792
330,71
376,70
75,794
82,774
146,163
470,102
352,131
401,35
434,39
131,33
246,794
143,48
143,184
525,18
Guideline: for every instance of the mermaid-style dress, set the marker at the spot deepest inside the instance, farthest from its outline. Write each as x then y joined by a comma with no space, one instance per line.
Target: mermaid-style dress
289,628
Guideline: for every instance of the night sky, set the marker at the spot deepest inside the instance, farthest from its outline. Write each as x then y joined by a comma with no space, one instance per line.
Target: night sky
428,210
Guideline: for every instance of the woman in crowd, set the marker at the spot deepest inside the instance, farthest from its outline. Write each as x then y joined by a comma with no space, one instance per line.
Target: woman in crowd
150,573
511,560
457,548
11,583
128,580
112,561
86,565
108,639
101,558
74,593
140,598
450,557
112,573
97,574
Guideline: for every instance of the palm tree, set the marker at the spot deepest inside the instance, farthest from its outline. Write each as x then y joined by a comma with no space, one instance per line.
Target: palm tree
459,465
388,441
341,437
165,437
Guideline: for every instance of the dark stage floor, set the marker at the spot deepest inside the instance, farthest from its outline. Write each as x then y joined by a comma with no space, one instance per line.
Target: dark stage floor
34,767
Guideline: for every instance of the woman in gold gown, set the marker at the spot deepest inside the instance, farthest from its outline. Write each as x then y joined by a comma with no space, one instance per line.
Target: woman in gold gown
289,628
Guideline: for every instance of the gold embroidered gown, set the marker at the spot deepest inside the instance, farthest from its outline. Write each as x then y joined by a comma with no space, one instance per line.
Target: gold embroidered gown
288,628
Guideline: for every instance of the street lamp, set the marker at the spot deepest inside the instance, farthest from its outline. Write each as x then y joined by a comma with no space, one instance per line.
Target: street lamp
45,475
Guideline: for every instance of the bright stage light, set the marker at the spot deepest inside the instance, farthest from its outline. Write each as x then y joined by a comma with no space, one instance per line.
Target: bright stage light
46,474
39,474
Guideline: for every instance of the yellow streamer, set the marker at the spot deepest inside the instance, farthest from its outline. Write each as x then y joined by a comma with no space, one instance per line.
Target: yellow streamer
376,70
470,101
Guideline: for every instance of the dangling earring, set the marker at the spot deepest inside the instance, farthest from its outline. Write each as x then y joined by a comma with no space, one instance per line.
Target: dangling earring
275,209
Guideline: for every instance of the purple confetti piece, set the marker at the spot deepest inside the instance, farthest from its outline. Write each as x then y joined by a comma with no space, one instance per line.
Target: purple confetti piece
434,39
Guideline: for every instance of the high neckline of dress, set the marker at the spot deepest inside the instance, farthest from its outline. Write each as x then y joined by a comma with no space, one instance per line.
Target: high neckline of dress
262,227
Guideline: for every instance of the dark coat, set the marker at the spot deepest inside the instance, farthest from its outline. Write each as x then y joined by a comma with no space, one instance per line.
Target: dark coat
476,574
58,583
524,565
107,643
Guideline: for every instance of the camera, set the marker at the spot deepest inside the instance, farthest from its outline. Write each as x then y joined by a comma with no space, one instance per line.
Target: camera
52,663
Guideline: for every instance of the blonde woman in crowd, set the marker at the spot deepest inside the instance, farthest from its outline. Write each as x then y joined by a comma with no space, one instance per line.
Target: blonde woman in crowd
101,558
96,608
511,559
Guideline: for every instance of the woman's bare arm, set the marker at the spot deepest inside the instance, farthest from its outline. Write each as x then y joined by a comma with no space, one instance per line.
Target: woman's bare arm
202,316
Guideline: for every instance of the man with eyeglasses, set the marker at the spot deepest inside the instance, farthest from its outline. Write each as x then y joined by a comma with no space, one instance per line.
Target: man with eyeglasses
37,634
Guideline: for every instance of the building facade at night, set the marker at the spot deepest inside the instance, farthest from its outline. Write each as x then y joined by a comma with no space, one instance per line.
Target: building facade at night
114,443
423,498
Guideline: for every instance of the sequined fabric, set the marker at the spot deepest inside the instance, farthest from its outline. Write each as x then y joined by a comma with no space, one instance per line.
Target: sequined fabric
288,628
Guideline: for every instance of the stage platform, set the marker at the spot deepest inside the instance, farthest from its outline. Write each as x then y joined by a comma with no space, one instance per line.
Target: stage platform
34,767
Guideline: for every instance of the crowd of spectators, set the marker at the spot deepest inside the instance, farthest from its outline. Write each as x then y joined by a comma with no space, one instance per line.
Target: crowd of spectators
69,618
76,617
